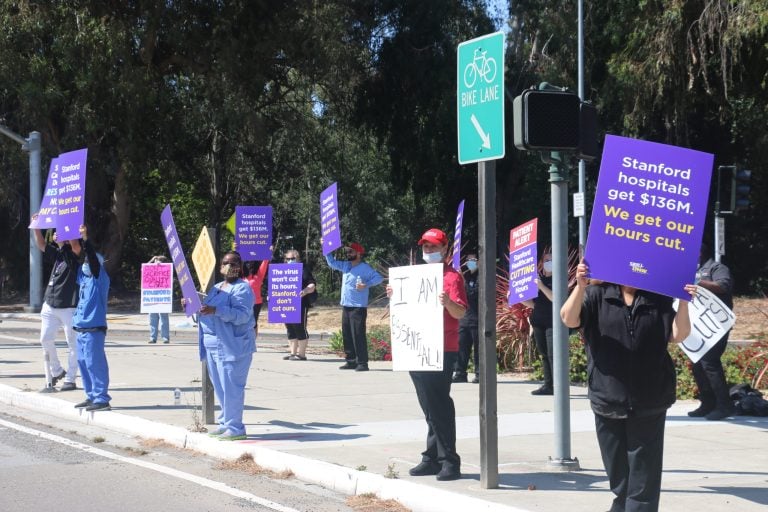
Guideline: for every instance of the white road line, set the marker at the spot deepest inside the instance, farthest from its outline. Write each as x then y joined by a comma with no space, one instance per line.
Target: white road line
211,484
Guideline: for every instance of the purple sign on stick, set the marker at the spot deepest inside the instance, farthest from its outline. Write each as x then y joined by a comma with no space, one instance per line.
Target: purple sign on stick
71,194
649,214
457,238
253,232
46,215
522,262
329,219
284,290
192,302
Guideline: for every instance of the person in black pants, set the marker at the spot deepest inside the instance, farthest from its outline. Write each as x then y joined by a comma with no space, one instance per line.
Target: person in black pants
708,372
298,336
468,333
632,380
541,321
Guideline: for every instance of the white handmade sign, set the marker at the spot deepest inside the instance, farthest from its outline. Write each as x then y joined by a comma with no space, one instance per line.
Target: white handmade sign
710,320
416,317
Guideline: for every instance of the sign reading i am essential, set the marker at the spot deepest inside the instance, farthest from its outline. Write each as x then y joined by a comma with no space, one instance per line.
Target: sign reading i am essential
648,216
480,98
522,262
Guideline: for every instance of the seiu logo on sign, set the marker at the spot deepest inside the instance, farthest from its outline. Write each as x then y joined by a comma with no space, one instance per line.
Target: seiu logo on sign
638,268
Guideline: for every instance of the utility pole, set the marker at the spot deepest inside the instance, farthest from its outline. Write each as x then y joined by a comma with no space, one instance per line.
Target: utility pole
32,146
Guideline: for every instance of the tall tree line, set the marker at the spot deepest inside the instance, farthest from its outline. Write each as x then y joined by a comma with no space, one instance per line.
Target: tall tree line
206,105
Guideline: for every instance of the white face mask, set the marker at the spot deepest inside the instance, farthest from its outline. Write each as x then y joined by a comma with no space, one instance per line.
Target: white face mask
547,266
432,257
471,265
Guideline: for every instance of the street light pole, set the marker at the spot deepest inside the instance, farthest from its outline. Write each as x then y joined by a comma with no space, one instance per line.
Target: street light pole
32,146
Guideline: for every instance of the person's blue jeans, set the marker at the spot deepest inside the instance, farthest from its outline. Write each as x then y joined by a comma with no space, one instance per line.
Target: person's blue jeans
165,330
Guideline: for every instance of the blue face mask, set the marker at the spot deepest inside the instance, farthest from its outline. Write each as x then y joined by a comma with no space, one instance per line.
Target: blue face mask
472,265
432,257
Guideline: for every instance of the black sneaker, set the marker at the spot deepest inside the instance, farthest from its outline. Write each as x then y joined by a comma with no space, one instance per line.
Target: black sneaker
362,367
101,406
84,404
701,411
424,468
459,377
348,366
543,390
54,380
720,413
68,386
449,472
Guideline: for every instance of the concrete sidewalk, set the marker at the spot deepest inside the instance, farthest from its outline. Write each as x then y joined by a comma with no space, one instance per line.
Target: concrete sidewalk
351,430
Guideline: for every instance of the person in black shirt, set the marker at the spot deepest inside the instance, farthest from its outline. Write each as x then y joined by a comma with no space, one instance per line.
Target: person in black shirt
541,321
468,333
631,379
59,305
298,336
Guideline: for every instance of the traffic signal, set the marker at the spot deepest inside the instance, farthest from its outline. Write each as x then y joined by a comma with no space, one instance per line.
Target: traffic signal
546,120
555,120
740,189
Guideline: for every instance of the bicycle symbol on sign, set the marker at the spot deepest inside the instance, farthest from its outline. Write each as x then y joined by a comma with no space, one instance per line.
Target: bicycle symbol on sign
482,66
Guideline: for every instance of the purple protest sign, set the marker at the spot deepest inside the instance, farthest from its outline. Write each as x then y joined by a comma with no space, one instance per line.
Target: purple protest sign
522,262
253,232
284,290
457,238
648,217
188,291
71,194
46,215
329,219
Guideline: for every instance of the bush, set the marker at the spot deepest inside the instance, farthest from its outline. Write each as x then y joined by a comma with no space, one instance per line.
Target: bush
379,344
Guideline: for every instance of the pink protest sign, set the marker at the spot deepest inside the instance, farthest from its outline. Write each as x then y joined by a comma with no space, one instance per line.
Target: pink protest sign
156,288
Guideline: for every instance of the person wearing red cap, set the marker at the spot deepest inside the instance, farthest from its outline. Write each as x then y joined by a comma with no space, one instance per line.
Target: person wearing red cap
433,389
357,278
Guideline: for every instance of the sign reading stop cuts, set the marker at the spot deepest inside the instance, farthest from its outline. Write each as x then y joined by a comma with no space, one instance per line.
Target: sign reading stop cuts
480,98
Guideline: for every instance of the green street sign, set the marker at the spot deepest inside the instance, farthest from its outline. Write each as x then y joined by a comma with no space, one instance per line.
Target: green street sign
480,98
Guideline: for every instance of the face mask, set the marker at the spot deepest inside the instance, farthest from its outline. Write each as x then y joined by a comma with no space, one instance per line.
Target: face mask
432,257
472,266
229,270
547,266
86,269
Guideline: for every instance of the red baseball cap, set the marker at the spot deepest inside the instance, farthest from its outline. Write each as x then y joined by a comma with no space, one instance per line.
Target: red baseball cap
434,236
359,249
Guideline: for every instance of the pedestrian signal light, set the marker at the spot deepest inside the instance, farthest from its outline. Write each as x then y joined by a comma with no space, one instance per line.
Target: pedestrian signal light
740,189
546,120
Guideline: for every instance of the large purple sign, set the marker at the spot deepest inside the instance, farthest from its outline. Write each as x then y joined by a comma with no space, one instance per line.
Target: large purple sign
192,300
71,194
46,215
648,217
457,237
522,262
253,232
284,290
329,219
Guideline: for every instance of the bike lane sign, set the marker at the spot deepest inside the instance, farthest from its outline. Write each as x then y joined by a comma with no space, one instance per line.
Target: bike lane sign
480,98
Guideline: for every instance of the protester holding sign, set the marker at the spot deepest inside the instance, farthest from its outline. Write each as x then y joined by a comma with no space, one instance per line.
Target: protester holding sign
90,322
469,337
631,381
541,321
298,336
227,344
159,318
59,305
708,371
433,388
357,278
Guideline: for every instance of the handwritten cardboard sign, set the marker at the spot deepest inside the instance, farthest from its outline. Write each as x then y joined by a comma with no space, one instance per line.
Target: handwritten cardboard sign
329,219
522,262
648,216
416,317
710,320
156,287
253,232
284,290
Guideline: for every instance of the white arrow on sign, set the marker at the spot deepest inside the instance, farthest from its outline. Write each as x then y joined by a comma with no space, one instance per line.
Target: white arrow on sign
485,136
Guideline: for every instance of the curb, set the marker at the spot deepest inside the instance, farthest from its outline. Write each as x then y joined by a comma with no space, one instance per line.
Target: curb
419,498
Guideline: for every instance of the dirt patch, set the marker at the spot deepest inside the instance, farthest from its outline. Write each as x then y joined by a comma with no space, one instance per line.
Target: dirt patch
370,503
328,318
246,464
751,318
